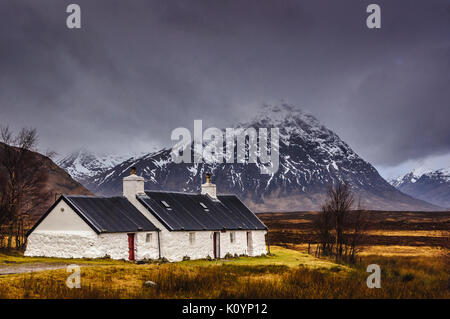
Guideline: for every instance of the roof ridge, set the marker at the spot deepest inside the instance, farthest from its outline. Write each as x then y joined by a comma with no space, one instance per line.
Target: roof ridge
170,192
92,196
184,193
84,196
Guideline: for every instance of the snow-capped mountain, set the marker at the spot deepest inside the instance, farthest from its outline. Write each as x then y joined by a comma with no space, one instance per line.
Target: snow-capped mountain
83,164
410,177
432,186
311,158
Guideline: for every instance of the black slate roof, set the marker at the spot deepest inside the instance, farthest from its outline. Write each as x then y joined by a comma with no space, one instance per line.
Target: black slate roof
106,214
185,211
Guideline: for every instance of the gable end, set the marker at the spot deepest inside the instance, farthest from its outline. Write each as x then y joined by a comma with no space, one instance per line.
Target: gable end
73,207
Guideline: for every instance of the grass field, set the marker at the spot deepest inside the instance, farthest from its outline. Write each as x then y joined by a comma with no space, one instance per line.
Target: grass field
412,249
428,231
286,274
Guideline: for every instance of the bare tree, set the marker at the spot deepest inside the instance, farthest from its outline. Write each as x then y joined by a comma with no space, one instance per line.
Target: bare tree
356,229
338,228
339,204
323,227
23,179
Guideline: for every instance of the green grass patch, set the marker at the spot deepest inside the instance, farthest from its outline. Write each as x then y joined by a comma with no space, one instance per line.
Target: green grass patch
18,258
279,256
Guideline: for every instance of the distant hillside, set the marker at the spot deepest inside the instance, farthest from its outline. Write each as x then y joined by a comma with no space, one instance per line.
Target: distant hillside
59,182
432,186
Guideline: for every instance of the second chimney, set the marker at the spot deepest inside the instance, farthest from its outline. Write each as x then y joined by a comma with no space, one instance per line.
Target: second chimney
209,188
133,185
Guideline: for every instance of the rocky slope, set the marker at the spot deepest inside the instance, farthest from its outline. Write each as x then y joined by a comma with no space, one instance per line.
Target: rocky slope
432,186
83,164
58,182
311,158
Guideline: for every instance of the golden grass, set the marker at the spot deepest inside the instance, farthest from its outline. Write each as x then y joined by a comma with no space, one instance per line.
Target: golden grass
297,221
422,233
226,281
280,256
18,258
287,274
383,232
388,251
403,251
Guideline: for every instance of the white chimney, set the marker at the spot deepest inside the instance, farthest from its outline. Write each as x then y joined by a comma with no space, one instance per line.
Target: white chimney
133,185
209,188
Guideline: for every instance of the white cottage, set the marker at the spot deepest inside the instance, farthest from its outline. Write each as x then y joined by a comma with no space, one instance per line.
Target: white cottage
148,225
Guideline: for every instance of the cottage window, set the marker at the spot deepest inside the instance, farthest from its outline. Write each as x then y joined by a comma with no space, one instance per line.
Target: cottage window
148,238
232,237
205,208
191,238
166,205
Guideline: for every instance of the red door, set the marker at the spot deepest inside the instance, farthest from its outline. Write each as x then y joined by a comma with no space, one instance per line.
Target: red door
131,246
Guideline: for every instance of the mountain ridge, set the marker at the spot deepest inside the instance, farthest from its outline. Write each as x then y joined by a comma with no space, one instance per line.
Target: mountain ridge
83,164
430,185
311,158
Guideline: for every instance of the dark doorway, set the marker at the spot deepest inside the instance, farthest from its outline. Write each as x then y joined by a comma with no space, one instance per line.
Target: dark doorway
131,246
216,243
249,243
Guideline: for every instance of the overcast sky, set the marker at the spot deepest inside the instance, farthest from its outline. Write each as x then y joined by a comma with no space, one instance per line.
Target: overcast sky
138,69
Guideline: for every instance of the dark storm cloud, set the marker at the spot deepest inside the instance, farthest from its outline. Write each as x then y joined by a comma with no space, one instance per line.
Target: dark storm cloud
409,100
138,69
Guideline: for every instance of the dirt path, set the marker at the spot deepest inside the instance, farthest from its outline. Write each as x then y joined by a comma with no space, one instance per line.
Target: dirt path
29,268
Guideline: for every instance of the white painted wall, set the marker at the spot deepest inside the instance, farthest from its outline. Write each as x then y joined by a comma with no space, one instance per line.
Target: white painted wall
62,218
259,242
64,234
146,250
176,245
61,244
77,245
85,245
240,247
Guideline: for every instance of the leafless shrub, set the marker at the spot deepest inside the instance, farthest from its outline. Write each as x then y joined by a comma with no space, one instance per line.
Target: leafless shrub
338,228
22,182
